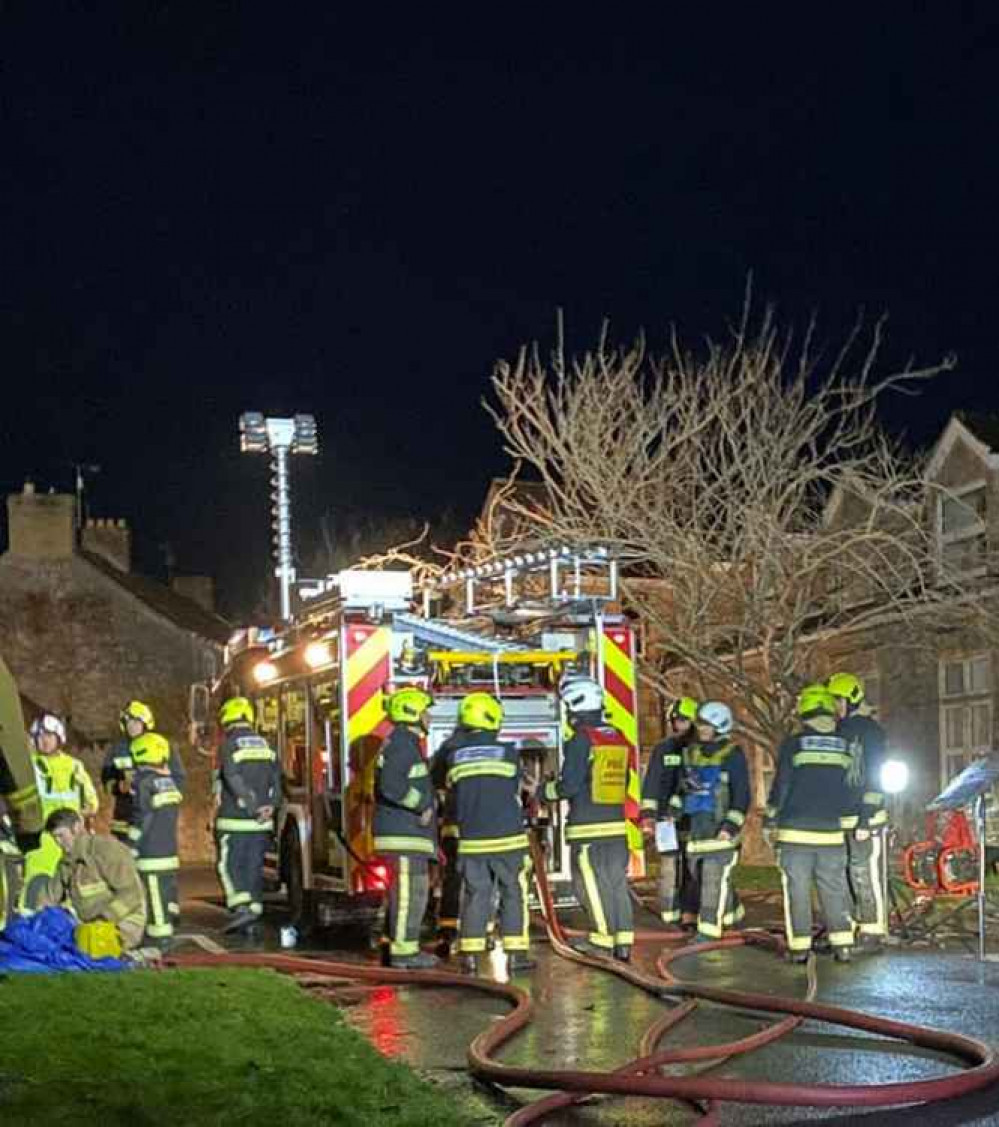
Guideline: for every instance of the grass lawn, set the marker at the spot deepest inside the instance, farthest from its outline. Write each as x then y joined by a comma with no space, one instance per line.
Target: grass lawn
757,878
233,1046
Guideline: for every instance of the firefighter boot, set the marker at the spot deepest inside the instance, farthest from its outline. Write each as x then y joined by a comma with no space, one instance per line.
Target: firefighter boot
799,957
421,961
841,954
519,961
446,939
468,964
241,921
622,953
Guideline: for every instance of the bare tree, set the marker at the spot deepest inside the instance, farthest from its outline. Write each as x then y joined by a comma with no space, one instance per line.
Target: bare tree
750,492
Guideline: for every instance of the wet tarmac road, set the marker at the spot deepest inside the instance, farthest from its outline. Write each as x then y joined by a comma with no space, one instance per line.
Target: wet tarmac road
588,1019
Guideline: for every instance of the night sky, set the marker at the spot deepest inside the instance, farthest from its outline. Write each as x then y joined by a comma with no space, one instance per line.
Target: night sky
211,208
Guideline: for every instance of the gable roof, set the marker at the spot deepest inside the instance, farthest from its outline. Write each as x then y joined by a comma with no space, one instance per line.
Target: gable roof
978,431
157,597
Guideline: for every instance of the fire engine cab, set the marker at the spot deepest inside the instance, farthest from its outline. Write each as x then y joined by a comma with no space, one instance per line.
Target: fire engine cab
510,626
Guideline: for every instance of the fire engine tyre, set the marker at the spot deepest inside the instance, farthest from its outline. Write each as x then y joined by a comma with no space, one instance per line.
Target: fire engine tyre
299,899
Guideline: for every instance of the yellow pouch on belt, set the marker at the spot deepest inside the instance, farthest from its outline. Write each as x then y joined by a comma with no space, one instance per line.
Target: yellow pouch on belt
99,939
609,777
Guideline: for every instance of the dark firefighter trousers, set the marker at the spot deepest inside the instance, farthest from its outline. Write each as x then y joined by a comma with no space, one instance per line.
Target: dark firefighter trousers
409,889
867,883
719,905
241,868
824,866
483,876
159,878
600,881
449,909
678,891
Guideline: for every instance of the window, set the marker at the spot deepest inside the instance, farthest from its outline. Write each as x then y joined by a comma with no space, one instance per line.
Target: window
294,756
962,530
965,712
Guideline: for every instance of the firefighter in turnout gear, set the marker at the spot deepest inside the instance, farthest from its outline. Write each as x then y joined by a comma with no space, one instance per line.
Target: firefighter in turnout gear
405,835
134,720
249,779
813,790
594,781
661,802
18,787
867,824
714,794
11,869
63,783
153,834
449,908
486,779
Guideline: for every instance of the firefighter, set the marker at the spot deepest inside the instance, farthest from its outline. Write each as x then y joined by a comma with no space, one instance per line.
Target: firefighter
249,778
62,782
449,907
594,781
134,720
97,877
867,824
812,792
18,786
485,777
714,794
405,834
678,895
153,834
11,869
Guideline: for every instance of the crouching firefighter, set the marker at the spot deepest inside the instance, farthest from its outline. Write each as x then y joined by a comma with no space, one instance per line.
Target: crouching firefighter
153,834
404,831
867,824
249,780
811,793
486,778
714,795
661,802
594,781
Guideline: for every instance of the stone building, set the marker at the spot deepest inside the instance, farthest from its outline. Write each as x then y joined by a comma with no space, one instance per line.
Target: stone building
83,634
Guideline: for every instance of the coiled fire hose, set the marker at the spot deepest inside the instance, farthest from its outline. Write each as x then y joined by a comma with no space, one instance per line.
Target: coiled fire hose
639,1077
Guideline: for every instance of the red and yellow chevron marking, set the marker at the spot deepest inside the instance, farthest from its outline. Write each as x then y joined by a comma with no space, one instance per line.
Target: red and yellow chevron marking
618,644
366,671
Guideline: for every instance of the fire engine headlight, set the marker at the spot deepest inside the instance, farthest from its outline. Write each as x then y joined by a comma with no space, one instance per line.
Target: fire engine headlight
264,672
894,776
318,654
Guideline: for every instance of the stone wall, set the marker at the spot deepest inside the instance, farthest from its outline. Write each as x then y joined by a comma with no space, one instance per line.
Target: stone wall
82,646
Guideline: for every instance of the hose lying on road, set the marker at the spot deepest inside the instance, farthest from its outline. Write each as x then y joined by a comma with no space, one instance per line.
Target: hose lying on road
640,1077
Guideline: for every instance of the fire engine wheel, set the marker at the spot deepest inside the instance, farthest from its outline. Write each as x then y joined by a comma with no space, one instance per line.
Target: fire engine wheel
299,905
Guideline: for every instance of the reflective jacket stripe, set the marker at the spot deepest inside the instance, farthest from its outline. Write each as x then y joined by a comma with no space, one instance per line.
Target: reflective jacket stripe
400,844
810,837
242,825
584,830
492,844
712,845
479,770
157,864
254,755
822,759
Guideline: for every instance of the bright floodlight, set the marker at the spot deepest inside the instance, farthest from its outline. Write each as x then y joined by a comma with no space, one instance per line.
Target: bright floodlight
264,672
894,776
318,654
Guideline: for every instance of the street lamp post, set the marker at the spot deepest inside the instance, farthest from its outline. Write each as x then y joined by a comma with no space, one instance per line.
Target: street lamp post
280,437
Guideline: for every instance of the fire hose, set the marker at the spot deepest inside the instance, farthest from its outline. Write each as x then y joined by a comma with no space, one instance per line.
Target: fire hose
640,1077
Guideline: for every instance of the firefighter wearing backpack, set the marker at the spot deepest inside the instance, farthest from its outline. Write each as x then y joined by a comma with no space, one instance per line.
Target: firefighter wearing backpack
714,794
813,790
63,783
249,782
661,802
153,834
867,824
594,781
404,831
486,779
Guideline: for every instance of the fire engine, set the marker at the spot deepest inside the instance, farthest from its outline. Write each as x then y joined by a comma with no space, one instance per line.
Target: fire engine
510,626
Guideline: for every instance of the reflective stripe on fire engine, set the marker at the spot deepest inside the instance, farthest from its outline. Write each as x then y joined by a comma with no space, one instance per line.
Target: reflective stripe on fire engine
588,830
492,844
401,844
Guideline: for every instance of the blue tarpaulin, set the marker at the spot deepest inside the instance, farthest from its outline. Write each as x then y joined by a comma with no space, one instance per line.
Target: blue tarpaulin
43,944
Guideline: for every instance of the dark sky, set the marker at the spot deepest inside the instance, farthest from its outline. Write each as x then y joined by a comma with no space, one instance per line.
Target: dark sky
209,208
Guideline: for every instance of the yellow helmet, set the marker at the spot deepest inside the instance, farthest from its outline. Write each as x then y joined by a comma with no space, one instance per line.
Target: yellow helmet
234,710
137,710
683,708
408,704
847,687
480,710
816,699
150,748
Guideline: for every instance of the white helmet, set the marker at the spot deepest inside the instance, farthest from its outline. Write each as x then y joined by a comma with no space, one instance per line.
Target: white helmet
581,694
48,722
718,715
